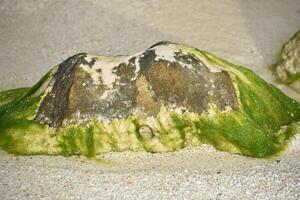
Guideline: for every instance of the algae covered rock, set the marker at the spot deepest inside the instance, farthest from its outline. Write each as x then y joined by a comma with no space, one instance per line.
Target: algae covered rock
288,69
166,98
86,87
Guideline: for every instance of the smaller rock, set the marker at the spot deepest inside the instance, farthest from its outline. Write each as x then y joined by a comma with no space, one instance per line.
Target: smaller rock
288,69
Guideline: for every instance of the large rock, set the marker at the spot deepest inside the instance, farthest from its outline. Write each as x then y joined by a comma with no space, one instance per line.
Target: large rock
168,97
87,86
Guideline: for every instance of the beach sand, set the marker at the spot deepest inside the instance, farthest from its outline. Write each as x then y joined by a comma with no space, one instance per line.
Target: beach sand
38,34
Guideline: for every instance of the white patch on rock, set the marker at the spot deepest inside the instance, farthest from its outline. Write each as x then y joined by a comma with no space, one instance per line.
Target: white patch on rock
165,52
89,58
105,67
168,52
137,64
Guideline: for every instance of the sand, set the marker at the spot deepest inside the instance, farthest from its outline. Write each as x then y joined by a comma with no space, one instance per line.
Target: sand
35,35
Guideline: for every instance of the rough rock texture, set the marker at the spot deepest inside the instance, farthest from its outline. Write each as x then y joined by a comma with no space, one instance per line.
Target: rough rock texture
288,69
86,86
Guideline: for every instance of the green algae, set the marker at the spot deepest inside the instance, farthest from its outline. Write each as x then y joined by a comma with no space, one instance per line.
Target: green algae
8,96
293,78
262,127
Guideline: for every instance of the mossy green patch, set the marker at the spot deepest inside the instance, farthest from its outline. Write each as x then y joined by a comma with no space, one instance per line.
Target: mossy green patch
10,95
293,78
77,140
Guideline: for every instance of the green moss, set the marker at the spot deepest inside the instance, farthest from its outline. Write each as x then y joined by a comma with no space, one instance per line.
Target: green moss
90,141
10,95
293,78
261,127
180,125
25,99
76,140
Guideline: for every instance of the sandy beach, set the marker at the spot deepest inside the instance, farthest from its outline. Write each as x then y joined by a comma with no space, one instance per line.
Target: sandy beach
36,35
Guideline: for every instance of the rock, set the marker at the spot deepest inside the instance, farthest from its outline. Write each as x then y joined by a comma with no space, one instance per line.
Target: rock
168,97
86,86
288,69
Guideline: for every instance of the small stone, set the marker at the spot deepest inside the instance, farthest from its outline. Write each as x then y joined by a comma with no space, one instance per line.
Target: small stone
288,69
146,132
